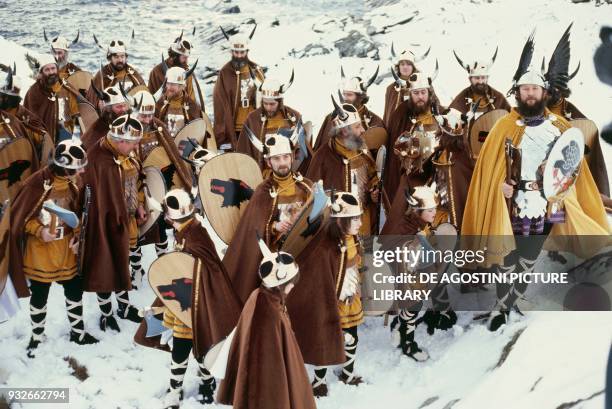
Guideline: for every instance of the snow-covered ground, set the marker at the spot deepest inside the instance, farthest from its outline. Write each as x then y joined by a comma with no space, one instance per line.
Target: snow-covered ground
551,358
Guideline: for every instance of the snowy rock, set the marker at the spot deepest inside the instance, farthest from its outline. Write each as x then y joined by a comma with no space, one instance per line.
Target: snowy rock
232,10
310,50
356,44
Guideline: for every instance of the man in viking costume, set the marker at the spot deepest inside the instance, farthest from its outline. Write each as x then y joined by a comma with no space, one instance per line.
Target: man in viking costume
176,108
53,101
531,129
178,56
18,116
267,119
559,105
113,104
116,209
404,65
479,91
355,92
214,306
43,247
234,95
345,164
264,367
117,70
176,174
272,210
60,47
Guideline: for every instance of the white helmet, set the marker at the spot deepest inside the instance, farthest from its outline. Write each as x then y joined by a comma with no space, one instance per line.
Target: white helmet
44,60
282,142
273,89
407,55
421,198
126,128
356,84
345,204
478,68
276,268
178,75
532,77
144,102
238,42
61,43
69,154
178,204
12,84
180,46
344,115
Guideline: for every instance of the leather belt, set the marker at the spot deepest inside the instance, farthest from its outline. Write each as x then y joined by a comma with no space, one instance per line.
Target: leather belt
529,185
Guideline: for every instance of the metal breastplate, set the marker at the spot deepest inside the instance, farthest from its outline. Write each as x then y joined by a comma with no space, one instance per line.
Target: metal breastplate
245,86
534,146
130,189
175,120
147,144
359,182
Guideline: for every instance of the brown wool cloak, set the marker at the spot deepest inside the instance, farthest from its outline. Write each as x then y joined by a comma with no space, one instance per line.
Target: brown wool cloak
37,101
595,160
392,100
313,304
30,121
265,369
103,78
327,165
225,103
97,131
27,204
461,104
17,126
157,77
215,306
243,255
398,123
192,112
106,265
254,123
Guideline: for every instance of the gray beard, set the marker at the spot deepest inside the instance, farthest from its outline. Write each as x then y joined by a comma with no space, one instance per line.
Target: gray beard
353,142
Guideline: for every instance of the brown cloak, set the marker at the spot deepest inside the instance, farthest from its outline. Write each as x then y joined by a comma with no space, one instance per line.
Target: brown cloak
215,306
243,255
225,103
26,204
463,105
107,78
67,70
254,123
33,125
313,304
596,161
106,265
37,101
400,121
157,77
392,100
265,369
96,131
328,165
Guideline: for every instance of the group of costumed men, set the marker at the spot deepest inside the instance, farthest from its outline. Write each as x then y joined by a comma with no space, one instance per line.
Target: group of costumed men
74,208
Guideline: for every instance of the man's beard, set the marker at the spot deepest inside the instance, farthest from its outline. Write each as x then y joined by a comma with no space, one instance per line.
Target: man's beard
62,63
270,114
554,97
421,109
118,67
51,79
282,172
353,141
479,89
108,115
530,111
239,62
172,95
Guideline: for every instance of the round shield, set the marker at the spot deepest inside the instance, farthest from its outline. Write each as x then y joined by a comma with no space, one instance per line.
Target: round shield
171,278
195,129
370,288
375,137
444,237
226,184
88,115
210,143
134,90
563,163
480,129
157,189
16,160
157,158
589,131
47,149
80,80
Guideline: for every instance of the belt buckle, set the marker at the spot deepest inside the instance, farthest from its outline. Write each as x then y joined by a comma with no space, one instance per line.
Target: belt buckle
245,103
533,185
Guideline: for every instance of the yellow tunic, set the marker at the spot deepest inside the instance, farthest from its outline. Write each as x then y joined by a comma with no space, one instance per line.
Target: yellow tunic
351,314
242,92
289,203
179,329
132,188
51,261
361,181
